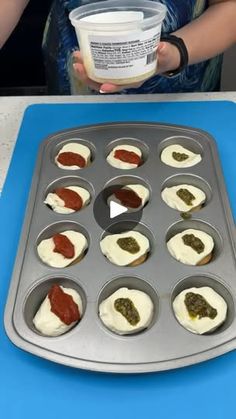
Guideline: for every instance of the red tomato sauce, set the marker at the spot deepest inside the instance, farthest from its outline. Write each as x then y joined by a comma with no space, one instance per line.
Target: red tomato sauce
63,246
128,198
127,157
68,158
71,198
63,305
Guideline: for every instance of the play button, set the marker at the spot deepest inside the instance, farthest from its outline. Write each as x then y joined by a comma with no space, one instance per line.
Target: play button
108,210
116,209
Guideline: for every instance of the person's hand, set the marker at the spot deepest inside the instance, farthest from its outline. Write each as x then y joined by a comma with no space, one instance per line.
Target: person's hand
168,59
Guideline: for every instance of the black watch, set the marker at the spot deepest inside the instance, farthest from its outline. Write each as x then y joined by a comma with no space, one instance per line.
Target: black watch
179,43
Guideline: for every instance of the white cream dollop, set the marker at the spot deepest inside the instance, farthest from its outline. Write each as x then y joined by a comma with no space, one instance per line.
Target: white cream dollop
204,324
185,253
58,205
48,323
170,197
167,157
118,323
120,257
57,260
120,164
140,190
77,148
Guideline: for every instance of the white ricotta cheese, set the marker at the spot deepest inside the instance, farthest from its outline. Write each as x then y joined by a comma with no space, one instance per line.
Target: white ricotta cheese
167,156
48,323
185,253
140,190
116,321
117,255
120,164
57,260
204,324
58,205
81,149
170,197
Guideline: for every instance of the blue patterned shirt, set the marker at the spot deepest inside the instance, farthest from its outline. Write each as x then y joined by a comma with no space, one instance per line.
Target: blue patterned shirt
60,41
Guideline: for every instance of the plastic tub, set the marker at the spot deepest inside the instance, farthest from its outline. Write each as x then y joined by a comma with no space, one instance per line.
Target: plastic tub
118,39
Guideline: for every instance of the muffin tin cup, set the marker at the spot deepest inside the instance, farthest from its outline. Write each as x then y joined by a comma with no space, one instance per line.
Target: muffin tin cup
36,296
199,281
132,142
133,283
180,226
90,345
68,140
122,181
186,141
189,179
64,182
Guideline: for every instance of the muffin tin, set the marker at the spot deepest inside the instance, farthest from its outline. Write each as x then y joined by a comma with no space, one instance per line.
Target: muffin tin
89,345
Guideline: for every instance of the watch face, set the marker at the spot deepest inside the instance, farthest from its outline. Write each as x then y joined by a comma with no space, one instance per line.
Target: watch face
172,73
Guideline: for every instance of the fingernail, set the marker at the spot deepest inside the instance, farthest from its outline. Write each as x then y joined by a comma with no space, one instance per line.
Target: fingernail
102,91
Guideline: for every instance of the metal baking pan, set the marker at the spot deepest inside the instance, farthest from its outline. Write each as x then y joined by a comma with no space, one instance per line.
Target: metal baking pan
89,345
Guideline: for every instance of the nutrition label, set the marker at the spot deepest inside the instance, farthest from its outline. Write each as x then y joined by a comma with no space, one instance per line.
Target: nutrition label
124,55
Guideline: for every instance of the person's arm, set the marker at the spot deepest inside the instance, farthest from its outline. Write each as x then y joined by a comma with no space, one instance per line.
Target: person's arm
205,37
10,13
212,33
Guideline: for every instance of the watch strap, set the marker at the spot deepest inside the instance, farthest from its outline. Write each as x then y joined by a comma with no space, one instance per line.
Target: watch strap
179,43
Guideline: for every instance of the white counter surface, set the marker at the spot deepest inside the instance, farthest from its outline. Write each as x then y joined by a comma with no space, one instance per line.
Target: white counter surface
12,109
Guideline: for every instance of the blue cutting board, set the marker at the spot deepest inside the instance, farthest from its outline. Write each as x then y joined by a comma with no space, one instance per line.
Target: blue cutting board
32,387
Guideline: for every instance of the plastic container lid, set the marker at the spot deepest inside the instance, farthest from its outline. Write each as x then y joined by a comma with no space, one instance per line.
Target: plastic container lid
103,16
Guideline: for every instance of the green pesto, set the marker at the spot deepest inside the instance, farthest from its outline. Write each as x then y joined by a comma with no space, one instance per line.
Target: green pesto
194,242
179,156
186,215
127,308
198,306
129,244
186,196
